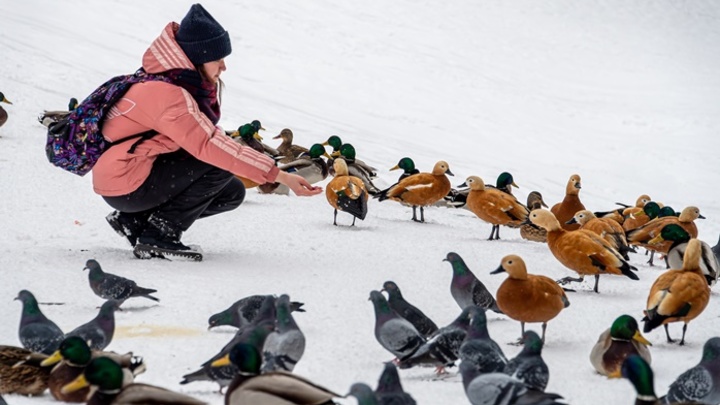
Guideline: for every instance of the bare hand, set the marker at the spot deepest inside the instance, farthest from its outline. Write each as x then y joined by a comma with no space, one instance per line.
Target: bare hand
297,184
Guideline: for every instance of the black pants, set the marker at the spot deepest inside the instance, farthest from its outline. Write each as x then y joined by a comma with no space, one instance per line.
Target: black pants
181,189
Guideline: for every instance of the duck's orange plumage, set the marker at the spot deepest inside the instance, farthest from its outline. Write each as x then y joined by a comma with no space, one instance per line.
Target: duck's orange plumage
527,297
581,251
678,295
346,193
642,235
571,204
635,217
494,206
421,189
606,228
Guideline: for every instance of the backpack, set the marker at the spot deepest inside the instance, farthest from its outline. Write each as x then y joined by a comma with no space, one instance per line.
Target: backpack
75,141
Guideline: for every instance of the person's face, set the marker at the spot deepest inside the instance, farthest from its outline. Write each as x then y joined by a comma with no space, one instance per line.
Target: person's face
214,69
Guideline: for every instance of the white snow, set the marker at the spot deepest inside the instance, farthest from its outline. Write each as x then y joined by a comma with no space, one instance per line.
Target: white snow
623,92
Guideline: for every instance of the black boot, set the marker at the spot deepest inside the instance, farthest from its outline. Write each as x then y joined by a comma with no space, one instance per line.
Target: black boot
161,239
128,225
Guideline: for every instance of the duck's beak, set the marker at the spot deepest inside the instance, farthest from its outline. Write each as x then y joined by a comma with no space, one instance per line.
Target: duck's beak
578,185
571,221
462,185
543,204
396,167
656,240
223,361
6,100
499,270
257,136
615,374
77,384
53,359
449,172
640,338
235,134
277,136
700,216
514,185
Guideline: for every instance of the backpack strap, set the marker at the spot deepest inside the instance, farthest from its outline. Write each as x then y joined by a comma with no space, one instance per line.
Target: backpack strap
143,136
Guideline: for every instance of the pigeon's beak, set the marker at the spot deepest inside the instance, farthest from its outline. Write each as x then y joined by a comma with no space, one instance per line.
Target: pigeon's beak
223,361
77,384
85,268
53,359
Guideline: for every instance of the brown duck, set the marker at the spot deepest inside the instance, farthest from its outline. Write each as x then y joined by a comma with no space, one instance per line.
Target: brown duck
3,113
289,151
346,193
21,371
493,206
565,210
607,228
678,295
533,232
582,251
644,234
420,190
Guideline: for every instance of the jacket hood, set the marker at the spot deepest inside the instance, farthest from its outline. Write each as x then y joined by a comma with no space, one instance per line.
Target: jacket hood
165,54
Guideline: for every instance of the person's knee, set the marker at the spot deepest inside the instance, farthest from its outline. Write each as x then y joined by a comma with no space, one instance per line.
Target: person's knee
235,191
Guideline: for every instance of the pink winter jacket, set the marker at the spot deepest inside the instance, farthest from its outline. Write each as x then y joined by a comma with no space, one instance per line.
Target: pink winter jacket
173,113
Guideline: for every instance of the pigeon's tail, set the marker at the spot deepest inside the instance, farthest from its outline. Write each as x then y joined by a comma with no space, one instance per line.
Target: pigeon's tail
199,375
145,292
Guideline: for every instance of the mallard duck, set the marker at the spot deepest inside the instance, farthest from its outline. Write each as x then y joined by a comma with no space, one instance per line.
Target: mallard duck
106,376
528,297
335,142
3,113
249,387
702,382
607,228
309,165
642,235
678,295
505,182
249,135
493,206
346,193
581,251
73,356
289,151
674,257
420,190
408,167
21,371
571,204
616,343
640,375
637,218
533,232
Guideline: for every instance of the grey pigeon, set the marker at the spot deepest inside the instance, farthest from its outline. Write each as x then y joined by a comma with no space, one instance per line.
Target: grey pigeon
501,389
393,332
253,334
466,289
2,401
478,349
420,321
442,349
285,346
243,311
389,390
363,393
528,366
702,382
109,286
100,330
37,333
716,250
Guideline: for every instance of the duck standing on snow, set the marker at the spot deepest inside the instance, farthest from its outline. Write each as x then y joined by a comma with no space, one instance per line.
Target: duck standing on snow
708,261
408,167
616,343
582,251
566,209
527,297
642,235
3,113
530,231
420,190
494,206
678,295
346,193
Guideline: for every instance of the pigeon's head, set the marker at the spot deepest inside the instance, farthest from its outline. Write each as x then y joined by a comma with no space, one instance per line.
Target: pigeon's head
25,297
452,257
711,350
74,350
92,265
532,342
243,356
362,392
102,372
376,297
222,318
109,307
390,287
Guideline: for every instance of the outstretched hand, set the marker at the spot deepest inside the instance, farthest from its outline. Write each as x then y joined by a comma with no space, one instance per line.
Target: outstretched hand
298,184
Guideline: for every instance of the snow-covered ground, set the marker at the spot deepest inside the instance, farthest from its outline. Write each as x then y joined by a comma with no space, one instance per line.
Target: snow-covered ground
624,93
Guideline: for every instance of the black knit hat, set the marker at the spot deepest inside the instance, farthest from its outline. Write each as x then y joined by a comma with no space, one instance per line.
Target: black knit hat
201,37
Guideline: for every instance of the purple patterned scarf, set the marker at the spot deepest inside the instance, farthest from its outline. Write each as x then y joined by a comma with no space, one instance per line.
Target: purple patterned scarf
204,92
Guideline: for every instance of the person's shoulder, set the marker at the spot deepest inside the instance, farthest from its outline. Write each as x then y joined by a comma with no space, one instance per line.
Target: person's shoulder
156,90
